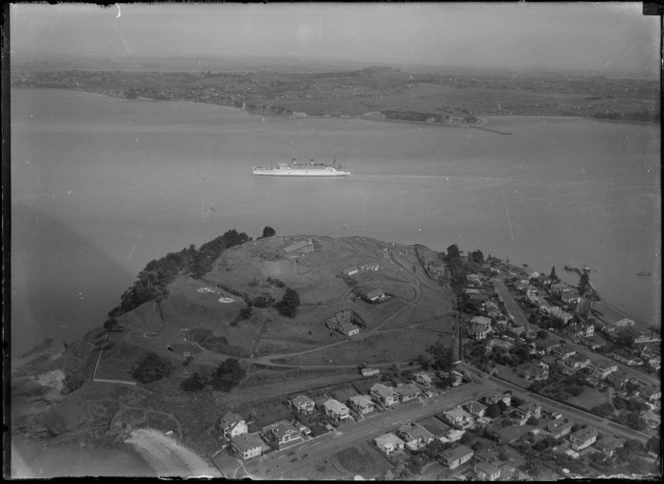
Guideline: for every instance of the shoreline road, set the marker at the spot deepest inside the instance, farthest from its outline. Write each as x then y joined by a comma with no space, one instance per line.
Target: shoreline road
280,464
511,305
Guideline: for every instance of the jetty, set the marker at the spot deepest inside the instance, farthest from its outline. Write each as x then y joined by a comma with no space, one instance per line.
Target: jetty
504,133
580,271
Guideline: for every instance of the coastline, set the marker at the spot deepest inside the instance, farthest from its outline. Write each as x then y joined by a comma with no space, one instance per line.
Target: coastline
167,457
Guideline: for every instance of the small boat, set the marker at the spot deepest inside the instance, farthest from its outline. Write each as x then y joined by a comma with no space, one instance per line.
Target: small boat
643,273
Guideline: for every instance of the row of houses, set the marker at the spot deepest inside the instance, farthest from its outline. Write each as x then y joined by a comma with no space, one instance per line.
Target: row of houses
351,271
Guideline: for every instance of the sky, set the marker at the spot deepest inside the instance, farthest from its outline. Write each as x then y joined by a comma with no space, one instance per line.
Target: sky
595,36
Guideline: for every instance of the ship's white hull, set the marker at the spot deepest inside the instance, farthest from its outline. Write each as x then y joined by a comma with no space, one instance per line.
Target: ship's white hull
300,172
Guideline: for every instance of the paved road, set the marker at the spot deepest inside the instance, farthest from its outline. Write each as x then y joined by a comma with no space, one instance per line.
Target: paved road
278,464
513,308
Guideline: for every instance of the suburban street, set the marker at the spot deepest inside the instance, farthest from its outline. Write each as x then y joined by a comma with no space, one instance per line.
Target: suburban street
520,318
278,463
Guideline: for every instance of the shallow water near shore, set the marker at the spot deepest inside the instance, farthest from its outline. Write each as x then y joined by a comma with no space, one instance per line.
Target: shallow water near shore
101,186
33,460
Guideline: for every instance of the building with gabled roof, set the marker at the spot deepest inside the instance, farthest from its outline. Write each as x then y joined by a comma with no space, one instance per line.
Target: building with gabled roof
336,410
486,471
362,404
232,425
407,392
303,404
583,438
609,444
283,434
383,394
415,435
476,409
456,456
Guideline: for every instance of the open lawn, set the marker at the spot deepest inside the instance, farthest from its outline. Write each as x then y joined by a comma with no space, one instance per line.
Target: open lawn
386,347
364,460
435,426
590,398
325,469
267,412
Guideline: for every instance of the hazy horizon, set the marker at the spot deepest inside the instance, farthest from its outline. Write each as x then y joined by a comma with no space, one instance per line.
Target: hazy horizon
602,38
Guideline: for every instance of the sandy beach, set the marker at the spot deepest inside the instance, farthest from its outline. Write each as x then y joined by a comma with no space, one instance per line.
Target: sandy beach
167,457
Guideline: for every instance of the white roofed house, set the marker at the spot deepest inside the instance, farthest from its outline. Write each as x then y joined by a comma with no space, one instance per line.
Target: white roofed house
459,417
336,410
362,404
456,456
583,438
303,404
479,327
232,425
389,443
476,409
283,434
497,397
415,435
486,471
559,428
423,379
385,395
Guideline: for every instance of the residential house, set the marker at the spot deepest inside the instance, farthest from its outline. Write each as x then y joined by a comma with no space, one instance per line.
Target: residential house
570,297
549,361
362,404
558,428
282,434
452,435
342,322
389,443
497,397
456,456
655,362
482,298
653,419
558,287
455,376
651,393
618,378
522,414
458,417
423,378
469,290
476,409
479,327
563,352
579,330
499,343
352,271
548,345
370,294
486,471
476,278
415,435
609,444
624,323
247,446
385,395
407,392
583,438
370,267
534,275
336,410
232,425
626,359
594,342
576,362
556,312
602,369
534,408
303,404
532,371
531,291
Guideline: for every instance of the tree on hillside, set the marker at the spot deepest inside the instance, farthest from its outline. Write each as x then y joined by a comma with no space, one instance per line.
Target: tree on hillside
453,252
443,356
289,303
584,282
111,324
553,275
152,368
268,232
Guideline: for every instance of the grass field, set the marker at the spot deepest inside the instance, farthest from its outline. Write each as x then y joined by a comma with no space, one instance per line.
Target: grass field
363,460
589,398
394,346
435,426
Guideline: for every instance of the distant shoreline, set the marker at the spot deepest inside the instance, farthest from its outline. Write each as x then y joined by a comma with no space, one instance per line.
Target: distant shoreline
483,119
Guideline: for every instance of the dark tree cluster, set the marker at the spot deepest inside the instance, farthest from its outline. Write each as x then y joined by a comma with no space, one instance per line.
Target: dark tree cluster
289,303
226,376
152,368
151,282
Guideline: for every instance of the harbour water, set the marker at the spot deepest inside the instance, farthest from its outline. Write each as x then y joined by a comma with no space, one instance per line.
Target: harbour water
101,186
